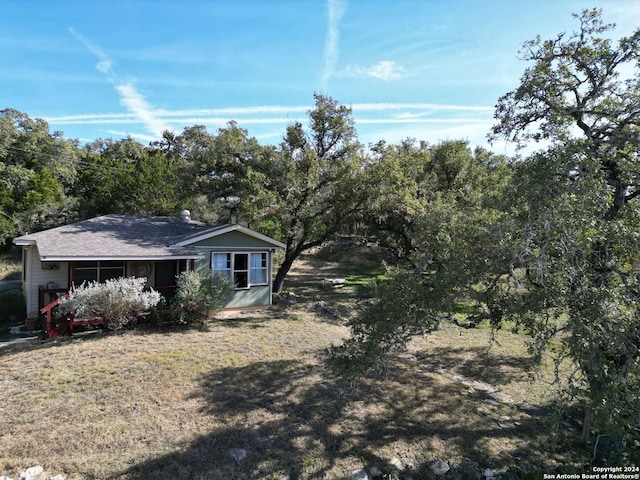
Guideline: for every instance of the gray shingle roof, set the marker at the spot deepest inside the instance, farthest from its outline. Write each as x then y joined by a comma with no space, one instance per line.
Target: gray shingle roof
119,237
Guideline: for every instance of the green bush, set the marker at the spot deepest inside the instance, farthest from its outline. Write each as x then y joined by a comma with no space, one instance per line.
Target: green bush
199,295
12,310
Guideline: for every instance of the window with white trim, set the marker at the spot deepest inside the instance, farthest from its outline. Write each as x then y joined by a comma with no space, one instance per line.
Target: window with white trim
244,269
221,263
259,269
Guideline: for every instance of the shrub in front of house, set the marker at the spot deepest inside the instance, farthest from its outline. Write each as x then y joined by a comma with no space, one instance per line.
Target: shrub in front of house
120,302
199,295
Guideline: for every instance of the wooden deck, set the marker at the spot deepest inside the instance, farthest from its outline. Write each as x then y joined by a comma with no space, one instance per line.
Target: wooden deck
66,325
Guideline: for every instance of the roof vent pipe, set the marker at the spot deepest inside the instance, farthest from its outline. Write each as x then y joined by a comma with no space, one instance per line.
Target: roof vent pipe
185,215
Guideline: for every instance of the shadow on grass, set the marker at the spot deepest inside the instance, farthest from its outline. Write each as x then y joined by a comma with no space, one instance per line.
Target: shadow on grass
289,417
479,363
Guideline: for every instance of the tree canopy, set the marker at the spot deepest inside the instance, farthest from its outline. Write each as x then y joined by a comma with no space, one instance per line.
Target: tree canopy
314,183
579,238
554,248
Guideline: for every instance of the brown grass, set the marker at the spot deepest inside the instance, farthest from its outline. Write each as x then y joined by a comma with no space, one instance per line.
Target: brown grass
173,404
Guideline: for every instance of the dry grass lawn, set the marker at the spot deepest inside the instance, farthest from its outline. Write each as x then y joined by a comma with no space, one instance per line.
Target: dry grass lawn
174,404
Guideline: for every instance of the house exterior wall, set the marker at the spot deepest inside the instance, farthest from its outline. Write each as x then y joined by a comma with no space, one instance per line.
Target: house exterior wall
234,240
253,296
35,276
37,273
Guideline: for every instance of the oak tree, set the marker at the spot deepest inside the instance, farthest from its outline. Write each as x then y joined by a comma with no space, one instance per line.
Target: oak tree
579,212
314,180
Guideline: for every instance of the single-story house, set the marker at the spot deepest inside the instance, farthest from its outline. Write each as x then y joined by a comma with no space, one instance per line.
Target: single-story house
157,248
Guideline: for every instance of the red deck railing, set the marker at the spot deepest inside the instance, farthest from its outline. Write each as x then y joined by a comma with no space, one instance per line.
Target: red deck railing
63,325
51,330
70,322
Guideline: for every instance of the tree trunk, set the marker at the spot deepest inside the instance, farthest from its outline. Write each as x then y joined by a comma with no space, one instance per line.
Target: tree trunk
585,438
278,283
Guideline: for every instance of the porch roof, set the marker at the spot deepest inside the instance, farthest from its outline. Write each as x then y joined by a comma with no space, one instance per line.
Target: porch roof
122,237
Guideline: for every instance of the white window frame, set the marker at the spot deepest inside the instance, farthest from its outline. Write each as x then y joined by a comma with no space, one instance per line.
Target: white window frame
228,270
231,270
265,256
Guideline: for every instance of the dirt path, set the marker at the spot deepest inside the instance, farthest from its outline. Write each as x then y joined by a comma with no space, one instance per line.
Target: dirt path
8,341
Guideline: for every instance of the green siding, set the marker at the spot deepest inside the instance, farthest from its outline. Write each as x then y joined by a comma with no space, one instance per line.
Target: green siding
232,240
254,296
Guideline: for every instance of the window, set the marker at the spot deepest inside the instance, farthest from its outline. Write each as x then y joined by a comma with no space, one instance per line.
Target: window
222,264
259,268
98,271
243,269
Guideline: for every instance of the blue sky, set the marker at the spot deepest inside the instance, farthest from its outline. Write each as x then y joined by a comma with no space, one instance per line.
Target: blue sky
430,69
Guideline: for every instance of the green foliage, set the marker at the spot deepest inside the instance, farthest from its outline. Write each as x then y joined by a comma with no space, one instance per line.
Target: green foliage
213,167
43,189
154,187
549,243
125,178
578,240
12,310
444,220
314,183
416,186
400,310
7,231
120,302
36,169
199,295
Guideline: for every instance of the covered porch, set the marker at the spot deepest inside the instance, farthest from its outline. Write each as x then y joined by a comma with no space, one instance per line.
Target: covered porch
160,275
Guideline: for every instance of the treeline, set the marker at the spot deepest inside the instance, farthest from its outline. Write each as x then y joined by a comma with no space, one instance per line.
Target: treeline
318,182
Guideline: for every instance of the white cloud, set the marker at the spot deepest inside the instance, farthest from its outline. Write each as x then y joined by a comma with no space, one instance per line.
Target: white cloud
413,120
139,136
130,98
373,125
420,106
336,9
250,110
375,121
133,101
259,113
105,64
383,70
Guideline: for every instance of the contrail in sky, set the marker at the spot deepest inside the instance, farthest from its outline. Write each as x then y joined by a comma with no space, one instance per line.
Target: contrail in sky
130,98
336,9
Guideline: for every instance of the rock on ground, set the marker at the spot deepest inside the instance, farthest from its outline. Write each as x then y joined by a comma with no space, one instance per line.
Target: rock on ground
359,475
439,467
238,454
